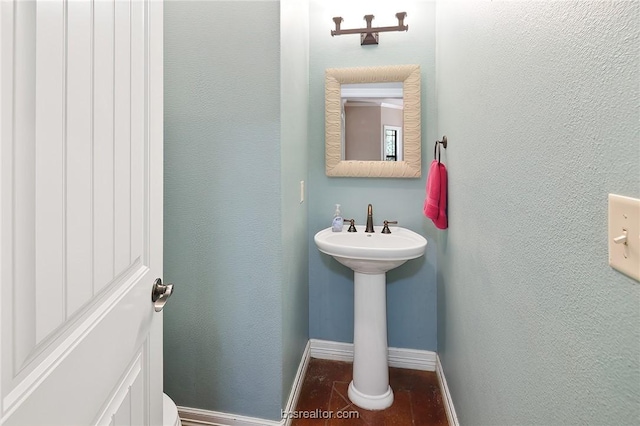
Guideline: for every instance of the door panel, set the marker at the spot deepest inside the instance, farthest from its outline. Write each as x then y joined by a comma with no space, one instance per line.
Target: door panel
49,191
80,212
23,114
122,149
78,167
103,151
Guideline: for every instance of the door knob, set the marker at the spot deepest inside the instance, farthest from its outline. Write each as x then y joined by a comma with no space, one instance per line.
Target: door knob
160,293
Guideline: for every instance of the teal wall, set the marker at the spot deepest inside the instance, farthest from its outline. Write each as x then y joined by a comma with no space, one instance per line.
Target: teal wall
411,289
539,101
294,77
540,104
233,219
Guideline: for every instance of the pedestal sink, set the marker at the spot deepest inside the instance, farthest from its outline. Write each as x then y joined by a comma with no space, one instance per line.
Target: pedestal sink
370,256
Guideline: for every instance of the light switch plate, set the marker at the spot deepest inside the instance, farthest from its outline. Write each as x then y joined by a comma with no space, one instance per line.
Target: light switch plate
624,219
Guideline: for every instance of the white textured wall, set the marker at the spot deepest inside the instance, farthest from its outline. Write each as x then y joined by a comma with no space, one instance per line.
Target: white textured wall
539,101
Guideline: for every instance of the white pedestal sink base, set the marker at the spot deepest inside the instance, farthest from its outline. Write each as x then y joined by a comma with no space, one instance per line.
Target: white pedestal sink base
370,402
370,256
370,386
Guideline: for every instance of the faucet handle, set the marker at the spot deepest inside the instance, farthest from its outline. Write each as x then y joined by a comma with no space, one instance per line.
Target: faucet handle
352,227
385,228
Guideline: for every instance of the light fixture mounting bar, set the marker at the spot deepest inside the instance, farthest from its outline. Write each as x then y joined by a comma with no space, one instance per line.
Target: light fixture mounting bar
369,35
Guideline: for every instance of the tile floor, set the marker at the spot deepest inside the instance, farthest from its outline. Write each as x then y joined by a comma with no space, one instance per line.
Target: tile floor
417,399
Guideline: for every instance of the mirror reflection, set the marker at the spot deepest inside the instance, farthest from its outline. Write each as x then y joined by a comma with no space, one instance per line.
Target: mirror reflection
372,121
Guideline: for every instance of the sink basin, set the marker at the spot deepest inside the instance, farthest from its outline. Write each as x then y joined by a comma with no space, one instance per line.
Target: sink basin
370,256
371,253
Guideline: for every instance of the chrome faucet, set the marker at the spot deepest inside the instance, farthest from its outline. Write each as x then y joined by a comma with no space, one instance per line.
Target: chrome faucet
369,228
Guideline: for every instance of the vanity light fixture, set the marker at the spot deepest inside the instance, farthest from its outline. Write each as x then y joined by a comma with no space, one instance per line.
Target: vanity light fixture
369,35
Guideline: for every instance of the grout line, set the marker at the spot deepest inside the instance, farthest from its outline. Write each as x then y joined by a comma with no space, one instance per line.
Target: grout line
413,417
344,397
328,405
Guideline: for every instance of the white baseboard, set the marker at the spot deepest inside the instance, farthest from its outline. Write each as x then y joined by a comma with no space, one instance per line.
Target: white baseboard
413,359
294,395
198,417
446,395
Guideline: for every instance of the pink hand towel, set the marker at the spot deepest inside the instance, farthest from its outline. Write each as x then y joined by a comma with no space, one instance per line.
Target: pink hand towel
441,222
435,204
432,201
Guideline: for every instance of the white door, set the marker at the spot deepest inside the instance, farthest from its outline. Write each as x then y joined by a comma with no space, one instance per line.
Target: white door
80,212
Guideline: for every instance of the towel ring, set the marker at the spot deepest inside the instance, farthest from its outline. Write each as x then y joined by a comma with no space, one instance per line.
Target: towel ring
437,147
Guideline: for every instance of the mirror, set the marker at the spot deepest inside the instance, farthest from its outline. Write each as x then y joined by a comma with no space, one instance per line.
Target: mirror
372,122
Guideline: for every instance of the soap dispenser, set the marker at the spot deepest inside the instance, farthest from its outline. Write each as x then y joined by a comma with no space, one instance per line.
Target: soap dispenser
336,225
